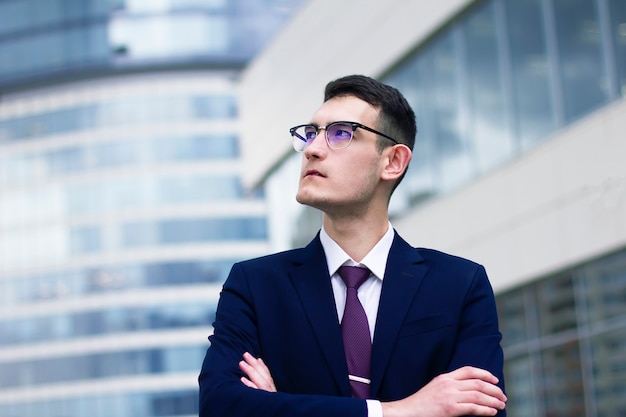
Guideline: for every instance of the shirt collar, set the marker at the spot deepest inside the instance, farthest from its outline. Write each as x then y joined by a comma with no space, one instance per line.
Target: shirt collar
375,260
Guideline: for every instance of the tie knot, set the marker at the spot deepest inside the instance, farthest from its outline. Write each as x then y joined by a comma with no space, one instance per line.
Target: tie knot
353,276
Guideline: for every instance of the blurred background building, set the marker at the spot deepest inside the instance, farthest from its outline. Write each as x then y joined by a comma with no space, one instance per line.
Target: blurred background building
519,164
121,202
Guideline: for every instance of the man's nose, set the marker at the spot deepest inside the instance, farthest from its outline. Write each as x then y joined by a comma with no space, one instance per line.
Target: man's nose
318,146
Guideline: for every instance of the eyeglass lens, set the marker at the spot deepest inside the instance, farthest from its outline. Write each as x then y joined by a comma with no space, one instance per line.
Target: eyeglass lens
338,135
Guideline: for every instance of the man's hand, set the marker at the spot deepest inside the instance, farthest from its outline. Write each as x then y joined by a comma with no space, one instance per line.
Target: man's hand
465,391
257,374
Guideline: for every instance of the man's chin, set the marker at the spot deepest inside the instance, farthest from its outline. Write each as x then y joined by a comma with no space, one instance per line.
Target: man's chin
309,200
303,199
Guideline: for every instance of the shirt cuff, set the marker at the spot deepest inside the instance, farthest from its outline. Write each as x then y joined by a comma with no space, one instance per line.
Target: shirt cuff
374,408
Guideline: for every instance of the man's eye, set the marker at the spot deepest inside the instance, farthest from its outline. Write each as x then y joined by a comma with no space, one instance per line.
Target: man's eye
342,134
309,133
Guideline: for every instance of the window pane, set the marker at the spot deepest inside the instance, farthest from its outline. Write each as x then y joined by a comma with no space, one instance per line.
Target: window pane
181,190
487,110
66,161
454,165
533,105
511,313
154,36
583,75
609,369
605,289
101,365
562,378
556,303
198,147
520,387
13,16
195,230
617,10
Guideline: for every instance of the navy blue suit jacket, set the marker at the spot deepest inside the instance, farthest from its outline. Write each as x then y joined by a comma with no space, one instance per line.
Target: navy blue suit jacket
437,313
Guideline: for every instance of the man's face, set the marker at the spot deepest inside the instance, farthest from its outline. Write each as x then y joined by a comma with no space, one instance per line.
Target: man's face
341,181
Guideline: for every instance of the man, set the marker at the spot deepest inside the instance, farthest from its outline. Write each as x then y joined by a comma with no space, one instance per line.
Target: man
431,341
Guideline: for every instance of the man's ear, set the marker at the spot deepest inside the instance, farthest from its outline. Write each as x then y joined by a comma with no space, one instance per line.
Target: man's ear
397,160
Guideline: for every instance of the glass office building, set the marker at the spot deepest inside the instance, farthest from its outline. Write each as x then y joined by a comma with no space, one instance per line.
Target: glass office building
518,164
503,77
121,205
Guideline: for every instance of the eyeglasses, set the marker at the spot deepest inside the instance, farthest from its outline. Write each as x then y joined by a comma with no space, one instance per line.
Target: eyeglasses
338,134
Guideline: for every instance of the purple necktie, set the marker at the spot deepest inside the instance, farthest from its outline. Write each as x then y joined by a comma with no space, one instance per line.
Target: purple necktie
355,331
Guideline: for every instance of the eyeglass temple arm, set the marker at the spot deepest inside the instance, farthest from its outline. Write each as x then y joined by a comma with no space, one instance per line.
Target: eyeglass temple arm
375,131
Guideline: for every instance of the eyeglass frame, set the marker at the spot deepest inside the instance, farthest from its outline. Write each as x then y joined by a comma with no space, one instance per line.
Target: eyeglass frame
353,125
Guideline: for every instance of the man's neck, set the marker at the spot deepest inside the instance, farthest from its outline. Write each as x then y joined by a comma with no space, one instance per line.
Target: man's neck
356,236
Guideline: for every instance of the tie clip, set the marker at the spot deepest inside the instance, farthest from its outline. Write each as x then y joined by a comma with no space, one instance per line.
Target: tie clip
358,379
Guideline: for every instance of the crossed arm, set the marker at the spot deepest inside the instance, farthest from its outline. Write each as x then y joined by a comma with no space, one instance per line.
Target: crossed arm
464,391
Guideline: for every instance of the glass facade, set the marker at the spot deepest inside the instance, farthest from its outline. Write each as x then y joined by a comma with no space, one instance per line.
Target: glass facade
564,338
157,403
136,111
19,289
114,320
120,215
121,203
61,38
500,78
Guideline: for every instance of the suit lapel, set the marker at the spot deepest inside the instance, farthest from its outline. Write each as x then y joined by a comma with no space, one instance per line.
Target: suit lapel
403,275
312,283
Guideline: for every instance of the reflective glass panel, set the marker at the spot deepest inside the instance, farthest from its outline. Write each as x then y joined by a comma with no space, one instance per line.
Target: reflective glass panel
582,71
511,312
562,381
158,36
604,287
520,387
144,6
193,230
486,106
609,370
196,147
127,404
102,365
13,16
130,111
174,404
557,304
39,39
75,283
617,10
196,189
533,105
85,239
106,321
454,164
114,154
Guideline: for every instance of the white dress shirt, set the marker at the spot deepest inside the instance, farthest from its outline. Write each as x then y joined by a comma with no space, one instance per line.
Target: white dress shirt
369,291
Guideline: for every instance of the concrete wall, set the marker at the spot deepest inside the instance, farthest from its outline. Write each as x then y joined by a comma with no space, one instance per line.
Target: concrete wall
559,205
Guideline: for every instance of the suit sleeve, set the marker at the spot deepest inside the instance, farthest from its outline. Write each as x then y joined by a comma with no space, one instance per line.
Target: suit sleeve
222,394
478,339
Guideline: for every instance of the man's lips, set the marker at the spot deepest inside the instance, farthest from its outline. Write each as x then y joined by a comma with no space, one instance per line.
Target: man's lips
313,173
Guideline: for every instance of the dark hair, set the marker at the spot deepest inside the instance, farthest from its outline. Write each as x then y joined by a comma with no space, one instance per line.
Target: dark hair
396,118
